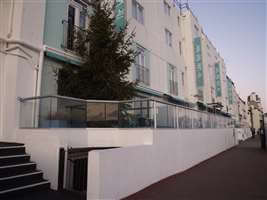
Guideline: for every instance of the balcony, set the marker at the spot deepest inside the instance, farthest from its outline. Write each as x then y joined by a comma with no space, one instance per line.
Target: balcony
142,74
70,35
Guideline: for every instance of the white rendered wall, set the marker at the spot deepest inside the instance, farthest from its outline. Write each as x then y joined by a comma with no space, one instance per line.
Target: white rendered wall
243,133
134,168
2,77
18,72
43,144
151,36
93,137
189,33
44,150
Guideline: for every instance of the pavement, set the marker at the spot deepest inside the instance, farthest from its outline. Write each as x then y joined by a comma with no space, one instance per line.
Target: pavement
236,174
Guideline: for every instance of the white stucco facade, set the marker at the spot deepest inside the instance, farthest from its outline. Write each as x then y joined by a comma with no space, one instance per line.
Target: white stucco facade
21,36
151,36
211,93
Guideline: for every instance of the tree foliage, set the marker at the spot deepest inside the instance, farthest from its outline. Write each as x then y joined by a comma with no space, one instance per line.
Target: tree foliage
107,56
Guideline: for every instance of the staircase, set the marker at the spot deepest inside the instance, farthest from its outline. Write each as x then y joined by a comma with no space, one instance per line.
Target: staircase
17,173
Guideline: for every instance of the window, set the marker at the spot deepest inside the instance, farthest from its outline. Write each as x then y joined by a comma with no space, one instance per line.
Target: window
183,78
83,13
196,28
178,20
172,80
167,8
141,66
138,11
77,14
168,36
77,20
180,48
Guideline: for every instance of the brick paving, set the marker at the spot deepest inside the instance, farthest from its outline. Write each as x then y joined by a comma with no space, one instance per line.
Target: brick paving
237,174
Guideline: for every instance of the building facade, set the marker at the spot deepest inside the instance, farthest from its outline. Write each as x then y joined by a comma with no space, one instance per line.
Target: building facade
21,50
176,62
205,68
255,110
159,67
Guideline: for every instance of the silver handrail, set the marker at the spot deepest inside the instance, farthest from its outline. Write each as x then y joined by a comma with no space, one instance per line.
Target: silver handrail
109,101
77,99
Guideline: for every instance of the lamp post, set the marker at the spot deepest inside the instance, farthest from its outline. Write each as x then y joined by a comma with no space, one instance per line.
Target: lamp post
263,134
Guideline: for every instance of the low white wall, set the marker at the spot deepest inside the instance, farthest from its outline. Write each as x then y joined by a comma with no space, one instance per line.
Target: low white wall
43,144
95,137
44,150
117,173
243,133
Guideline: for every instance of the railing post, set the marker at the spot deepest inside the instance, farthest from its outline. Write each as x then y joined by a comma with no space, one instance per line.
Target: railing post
50,114
155,114
177,117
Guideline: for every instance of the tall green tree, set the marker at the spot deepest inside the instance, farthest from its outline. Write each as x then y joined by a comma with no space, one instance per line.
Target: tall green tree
107,56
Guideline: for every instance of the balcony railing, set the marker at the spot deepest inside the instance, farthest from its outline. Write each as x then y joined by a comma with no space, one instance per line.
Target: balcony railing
66,112
142,74
70,33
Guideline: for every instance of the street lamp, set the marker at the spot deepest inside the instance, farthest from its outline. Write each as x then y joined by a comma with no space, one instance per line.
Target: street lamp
263,133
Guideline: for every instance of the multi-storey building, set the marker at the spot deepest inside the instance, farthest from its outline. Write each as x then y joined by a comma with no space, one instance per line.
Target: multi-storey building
243,117
255,110
159,67
176,63
205,68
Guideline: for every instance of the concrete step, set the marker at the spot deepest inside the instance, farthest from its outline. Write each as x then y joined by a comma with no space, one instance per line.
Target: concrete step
17,169
12,150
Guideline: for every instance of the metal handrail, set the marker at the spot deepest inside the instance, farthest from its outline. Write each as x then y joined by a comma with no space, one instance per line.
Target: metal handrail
81,100
109,101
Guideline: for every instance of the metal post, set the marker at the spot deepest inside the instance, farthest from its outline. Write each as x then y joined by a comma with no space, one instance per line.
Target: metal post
50,112
155,114
263,134
177,117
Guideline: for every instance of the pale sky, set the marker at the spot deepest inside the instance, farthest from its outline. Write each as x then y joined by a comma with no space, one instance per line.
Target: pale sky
238,30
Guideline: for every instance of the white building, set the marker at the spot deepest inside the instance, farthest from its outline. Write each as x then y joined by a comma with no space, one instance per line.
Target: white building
205,68
34,42
21,57
255,110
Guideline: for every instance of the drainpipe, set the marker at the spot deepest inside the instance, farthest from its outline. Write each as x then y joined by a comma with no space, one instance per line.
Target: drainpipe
11,16
39,72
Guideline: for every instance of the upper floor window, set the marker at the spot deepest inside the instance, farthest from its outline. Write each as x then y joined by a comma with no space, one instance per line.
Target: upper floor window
183,78
178,20
77,14
82,20
196,28
167,8
172,80
77,20
180,48
142,66
168,37
138,11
